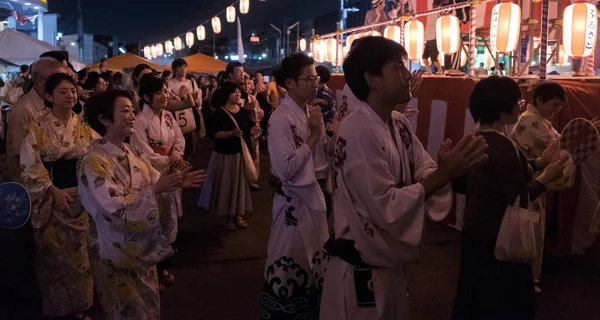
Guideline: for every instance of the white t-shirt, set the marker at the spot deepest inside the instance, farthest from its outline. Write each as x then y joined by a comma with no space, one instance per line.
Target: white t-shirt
175,85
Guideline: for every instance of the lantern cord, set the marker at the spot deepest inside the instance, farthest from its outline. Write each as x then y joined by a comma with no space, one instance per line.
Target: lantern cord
194,29
393,22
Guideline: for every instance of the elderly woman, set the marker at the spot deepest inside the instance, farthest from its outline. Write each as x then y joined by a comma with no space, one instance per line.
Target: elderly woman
489,288
534,133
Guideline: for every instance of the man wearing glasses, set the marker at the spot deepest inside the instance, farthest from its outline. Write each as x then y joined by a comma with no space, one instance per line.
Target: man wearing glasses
296,135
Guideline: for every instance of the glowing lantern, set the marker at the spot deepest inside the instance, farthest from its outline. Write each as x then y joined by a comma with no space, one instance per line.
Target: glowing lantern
216,24
319,50
373,33
392,33
562,58
244,6
341,56
331,49
488,58
159,49
189,39
230,14
464,56
153,52
178,43
505,27
414,39
169,47
579,29
447,31
201,32
302,44
351,38
147,51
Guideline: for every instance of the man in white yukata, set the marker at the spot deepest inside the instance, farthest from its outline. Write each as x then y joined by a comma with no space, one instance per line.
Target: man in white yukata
384,185
296,137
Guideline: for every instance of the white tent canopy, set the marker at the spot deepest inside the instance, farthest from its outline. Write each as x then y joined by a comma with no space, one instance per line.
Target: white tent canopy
18,48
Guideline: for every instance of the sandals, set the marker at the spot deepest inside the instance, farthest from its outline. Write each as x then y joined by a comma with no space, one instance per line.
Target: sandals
241,223
230,226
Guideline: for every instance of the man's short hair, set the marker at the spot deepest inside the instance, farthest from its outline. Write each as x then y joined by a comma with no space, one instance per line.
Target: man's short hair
231,67
547,91
24,68
369,54
291,68
492,97
43,63
177,63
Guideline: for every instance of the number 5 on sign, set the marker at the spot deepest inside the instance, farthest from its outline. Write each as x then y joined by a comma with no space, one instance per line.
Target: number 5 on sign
185,119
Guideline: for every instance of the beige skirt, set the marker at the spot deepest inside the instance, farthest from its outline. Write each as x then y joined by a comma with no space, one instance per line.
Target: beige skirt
226,190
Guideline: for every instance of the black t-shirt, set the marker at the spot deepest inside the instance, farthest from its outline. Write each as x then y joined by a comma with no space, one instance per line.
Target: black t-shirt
222,122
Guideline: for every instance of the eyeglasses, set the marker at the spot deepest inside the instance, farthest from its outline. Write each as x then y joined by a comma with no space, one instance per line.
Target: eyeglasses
316,79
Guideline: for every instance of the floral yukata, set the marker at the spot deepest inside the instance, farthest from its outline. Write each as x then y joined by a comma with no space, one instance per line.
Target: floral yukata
295,258
533,134
115,185
48,157
379,215
159,136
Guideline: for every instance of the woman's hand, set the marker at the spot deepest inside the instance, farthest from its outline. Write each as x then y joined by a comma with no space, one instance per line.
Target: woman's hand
62,199
551,154
192,179
255,131
553,171
237,133
410,113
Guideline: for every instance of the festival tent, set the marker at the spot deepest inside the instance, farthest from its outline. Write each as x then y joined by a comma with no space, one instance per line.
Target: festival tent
17,48
125,61
201,63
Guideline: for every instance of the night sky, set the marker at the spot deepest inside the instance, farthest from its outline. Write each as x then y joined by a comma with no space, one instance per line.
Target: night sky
158,20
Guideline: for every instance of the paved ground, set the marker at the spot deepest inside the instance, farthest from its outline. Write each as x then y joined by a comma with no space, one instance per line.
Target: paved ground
219,273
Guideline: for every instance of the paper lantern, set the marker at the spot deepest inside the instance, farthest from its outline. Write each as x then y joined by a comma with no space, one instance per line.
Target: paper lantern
216,24
178,43
319,50
373,33
505,27
562,59
189,39
351,38
169,47
244,6
414,39
146,52
488,58
201,32
230,14
159,49
302,44
331,49
392,33
447,30
464,56
153,52
341,56
579,29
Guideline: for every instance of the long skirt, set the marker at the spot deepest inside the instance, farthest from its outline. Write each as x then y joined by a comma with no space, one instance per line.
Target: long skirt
226,191
491,289
122,294
62,264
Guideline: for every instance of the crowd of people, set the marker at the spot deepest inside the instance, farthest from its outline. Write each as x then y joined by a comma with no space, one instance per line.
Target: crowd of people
105,162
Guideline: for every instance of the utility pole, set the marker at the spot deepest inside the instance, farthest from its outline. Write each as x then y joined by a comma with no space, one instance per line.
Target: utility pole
344,14
279,45
80,30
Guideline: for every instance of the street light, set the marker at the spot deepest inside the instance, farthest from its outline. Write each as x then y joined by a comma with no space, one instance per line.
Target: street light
297,24
278,47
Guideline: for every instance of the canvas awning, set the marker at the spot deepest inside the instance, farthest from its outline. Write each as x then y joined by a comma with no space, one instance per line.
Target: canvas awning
201,63
124,61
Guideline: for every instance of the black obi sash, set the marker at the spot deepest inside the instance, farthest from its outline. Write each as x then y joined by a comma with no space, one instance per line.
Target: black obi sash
63,172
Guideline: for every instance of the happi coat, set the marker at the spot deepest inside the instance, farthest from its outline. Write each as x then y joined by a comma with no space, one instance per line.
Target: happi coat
116,187
62,264
380,205
160,137
295,259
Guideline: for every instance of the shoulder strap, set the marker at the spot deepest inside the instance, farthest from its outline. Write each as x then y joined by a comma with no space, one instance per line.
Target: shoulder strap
231,117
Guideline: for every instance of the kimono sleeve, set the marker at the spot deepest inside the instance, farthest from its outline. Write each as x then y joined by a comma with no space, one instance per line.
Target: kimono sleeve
291,158
34,174
178,141
101,193
372,186
140,139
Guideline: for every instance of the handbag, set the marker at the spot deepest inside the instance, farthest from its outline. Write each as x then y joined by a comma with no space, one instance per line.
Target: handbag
251,173
516,238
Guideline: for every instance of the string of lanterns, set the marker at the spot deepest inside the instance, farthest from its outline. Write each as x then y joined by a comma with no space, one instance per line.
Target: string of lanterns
579,33
156,50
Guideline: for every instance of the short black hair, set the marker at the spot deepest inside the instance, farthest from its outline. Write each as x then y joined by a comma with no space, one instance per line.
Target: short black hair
103,104
178,63
547,91
493,96
137,70
53,81
221,95
59,55
108,77
166,73
92,79
231,67
291,68
369,55
24,68
324,73
103,60
149,85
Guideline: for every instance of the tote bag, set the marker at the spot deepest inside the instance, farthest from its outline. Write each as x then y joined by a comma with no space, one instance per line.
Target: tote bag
251,173
516,238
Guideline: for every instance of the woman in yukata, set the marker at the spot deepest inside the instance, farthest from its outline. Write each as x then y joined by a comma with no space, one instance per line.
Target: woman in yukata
49,155
119,188
158,135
